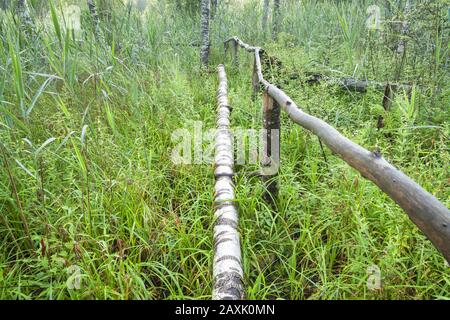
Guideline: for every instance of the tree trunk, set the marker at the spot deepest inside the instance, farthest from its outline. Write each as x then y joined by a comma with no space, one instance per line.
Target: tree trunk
227,263
4,4
204,49
276,19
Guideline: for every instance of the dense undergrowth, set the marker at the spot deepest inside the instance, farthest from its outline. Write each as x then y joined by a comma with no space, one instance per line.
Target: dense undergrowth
88,189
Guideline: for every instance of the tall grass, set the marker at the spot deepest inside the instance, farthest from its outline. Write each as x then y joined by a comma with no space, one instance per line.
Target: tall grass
85,128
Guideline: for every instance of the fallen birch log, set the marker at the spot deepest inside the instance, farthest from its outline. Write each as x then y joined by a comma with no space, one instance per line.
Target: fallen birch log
227,264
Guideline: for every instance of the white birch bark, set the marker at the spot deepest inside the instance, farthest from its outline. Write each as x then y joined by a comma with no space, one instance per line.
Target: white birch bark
204,49
227,264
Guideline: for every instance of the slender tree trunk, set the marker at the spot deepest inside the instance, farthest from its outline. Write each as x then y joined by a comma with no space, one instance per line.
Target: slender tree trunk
276,19
265,16
204,49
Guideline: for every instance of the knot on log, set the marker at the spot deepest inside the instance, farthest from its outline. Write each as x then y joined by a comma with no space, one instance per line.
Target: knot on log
377,153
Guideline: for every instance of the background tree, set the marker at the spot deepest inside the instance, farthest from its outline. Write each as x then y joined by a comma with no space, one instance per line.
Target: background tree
204,49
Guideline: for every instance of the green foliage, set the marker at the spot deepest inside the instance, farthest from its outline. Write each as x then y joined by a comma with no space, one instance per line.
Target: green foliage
86,129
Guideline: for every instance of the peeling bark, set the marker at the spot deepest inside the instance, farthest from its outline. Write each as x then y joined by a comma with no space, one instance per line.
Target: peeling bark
427,212
271,148
204,49
227,264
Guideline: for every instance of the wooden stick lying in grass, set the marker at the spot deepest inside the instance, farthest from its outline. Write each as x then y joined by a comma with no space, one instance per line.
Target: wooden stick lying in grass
430,215
227,265
204,49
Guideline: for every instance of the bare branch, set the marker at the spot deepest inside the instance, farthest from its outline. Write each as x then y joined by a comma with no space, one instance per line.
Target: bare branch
427,212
